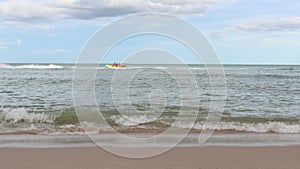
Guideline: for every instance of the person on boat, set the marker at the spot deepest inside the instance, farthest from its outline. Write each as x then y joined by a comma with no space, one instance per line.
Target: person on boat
119,64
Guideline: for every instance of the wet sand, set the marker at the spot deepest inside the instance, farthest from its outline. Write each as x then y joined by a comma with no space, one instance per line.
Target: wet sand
210,157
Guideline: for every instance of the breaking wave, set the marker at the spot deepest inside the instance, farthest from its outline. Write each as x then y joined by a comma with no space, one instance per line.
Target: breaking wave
30,66
269,127
21,115
66,122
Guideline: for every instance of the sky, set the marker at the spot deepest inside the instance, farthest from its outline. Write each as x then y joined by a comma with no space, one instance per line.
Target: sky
242,31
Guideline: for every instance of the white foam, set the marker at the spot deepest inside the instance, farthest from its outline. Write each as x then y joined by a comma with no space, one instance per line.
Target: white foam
21,115
4,66
31,66
276,127
120,120
133,120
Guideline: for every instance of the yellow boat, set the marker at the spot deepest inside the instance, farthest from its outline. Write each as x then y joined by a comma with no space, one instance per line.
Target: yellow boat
115,67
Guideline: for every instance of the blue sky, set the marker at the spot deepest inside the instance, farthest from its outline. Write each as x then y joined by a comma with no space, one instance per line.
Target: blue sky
242,31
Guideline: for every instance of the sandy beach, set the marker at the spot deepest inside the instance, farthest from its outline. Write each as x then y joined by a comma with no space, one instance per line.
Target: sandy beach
210,157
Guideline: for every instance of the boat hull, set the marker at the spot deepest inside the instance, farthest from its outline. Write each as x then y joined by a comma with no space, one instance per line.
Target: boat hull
115,67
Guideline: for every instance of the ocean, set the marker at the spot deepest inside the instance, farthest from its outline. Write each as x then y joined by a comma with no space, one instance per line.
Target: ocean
37,109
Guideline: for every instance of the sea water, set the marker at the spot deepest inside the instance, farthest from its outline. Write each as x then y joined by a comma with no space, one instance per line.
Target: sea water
36,99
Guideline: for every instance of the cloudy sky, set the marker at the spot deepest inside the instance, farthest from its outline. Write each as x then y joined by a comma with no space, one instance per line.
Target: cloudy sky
242,31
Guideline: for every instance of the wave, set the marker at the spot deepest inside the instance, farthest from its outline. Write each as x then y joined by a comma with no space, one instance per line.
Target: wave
288,68
21,115
30,66
287,126
270,127
66,122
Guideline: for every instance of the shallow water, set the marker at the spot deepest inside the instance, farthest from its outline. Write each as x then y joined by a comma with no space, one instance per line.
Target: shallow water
53,141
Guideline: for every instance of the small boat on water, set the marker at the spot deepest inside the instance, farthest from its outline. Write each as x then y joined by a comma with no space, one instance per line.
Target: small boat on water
116,66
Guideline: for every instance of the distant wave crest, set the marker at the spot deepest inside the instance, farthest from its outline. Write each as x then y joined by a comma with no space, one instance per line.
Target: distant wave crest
30,66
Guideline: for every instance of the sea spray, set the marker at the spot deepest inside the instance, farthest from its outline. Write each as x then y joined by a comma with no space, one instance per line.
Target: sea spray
21,115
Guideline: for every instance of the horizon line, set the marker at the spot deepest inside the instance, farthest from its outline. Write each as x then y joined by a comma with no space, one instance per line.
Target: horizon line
246,64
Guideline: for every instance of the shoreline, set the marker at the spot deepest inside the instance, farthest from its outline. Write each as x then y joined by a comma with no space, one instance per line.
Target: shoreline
109,139
210,157
81,131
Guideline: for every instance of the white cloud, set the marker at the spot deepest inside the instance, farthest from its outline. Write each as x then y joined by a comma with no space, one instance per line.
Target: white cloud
25,25
39,11
3,47
7,43
26,10
269,24
62,50
53,51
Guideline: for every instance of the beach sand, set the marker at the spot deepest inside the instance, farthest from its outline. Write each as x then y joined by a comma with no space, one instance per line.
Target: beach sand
206,157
